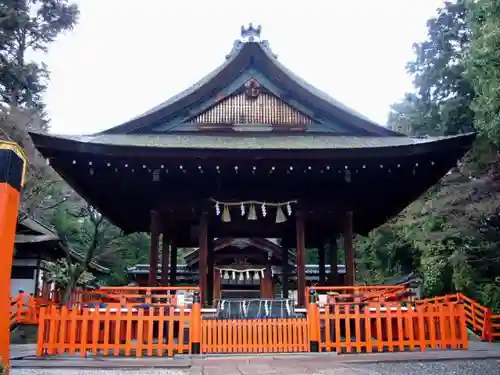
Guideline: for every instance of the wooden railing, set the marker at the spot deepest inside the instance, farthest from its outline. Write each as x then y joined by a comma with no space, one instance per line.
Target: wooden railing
157,330
495,327
393,327
254,335
138,330
479,318
24,309
366,293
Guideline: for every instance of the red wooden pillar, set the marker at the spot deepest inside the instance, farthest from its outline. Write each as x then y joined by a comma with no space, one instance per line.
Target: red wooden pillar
321,260
349,250
173,264
12,167
154,248
203,244
217,282
268,282
301,254
164,259
333,258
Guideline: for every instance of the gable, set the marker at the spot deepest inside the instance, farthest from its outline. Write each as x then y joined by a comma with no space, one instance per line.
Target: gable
240,110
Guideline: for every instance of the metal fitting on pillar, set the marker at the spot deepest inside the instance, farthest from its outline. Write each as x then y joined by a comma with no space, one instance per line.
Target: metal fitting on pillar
196,297
313,297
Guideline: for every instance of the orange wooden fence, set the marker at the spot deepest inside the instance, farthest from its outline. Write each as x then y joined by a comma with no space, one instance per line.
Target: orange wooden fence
129,330
164,330
254,335
495,327
24,309
391,327
479,318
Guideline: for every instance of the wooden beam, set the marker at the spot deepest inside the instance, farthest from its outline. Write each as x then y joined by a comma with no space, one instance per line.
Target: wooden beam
321,260
349,250
333,278
154,248
301,255
173,265
210,273
203,245
286,271
165,259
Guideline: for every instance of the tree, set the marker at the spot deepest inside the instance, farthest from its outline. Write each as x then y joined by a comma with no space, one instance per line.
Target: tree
28,26
483,66
447,235
90,234
441,103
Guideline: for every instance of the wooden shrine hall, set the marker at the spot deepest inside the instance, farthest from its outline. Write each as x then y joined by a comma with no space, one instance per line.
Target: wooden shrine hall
250,151
243,268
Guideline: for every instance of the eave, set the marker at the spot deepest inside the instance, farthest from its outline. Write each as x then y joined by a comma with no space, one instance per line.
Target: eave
263,146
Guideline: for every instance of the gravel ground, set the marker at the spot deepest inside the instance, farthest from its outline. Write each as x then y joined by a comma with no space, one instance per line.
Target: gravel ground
484,367
478,367
145,371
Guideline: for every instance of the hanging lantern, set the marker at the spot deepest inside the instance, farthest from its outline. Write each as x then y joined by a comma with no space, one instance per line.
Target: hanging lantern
241,278
248,275
225,275
289,209
242,207
226,217
280,215
347,175
256,276
252,215
234,275
217,209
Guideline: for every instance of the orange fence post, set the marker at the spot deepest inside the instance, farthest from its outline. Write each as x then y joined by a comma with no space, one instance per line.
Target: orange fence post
313,321
486,332
12,167
195,329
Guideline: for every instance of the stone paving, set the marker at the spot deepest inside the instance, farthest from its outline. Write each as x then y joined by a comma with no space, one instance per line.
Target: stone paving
480,359
291,367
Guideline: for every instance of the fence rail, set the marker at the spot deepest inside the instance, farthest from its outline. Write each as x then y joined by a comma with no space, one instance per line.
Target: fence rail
392,327
129,330
255,335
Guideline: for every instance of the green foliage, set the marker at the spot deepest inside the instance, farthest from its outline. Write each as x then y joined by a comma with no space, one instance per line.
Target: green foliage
450,236
28,26
441,103
61,271
484,66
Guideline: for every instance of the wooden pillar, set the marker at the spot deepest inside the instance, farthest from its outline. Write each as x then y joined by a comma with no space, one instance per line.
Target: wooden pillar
321,259
349,250
164,259
268,281
217,282
210,273
203,244
285,269
12,167
333,259
301,255
154,248
173,265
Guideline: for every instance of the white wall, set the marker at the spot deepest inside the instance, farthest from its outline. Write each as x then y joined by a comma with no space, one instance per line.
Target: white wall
26,285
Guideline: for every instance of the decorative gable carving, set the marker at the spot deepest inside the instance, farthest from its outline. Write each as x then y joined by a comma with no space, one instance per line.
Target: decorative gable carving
252,107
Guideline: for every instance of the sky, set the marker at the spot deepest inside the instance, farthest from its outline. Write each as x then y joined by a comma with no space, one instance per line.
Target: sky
126,56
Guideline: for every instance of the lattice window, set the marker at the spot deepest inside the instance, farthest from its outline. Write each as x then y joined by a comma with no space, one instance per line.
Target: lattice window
264,109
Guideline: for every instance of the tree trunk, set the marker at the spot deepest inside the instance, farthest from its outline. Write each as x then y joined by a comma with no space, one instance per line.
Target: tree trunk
66,297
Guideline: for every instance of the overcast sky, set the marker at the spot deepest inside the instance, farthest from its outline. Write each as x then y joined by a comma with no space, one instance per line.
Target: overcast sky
126,56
